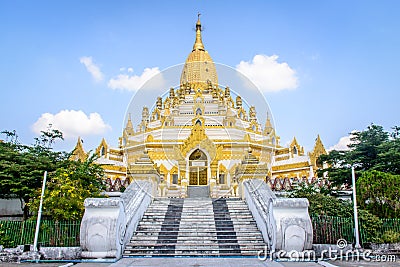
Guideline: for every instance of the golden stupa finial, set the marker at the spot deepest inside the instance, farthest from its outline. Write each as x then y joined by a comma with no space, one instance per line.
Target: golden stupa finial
198,44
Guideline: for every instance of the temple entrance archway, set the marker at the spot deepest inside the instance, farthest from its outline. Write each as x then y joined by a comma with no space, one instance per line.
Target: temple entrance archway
198,168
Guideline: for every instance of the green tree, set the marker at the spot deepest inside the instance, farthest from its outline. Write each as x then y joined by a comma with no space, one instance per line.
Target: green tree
321,203
373,148
67,189
22,166
338,169
364,148
389,154
379,193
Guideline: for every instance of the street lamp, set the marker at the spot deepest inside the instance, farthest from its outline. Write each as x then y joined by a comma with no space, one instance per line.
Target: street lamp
356,231
39,213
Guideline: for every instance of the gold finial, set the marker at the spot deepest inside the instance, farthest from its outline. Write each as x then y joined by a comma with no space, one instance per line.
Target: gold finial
198,44
198,19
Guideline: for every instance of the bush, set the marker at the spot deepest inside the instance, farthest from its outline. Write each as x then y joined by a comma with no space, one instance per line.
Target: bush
390,236
5,240
370,225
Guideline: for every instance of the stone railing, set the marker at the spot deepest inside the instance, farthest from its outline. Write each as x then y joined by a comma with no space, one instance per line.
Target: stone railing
284,222
108,223
258,197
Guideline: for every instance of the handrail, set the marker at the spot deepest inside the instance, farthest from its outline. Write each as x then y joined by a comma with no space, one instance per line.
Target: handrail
260,203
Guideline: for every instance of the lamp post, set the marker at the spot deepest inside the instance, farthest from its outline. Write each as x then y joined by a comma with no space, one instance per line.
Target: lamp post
39,213
356,231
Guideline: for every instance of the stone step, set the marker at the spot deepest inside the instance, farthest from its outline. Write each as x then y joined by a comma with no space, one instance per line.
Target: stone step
184,246
209,213
199,214
192,227
212,211
135,243
197,231
187,233
177,220
198,219
196,227
193,254
194,247
204,208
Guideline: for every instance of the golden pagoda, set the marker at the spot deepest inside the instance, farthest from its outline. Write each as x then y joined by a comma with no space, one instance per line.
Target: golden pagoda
202,136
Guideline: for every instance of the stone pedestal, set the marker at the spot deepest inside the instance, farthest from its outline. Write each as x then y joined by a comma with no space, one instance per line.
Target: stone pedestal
284,222
108,223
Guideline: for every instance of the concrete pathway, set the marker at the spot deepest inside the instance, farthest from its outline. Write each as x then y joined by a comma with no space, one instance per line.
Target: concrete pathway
205,262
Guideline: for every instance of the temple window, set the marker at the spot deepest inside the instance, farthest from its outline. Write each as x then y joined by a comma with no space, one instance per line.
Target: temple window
102,151
198,111
295,150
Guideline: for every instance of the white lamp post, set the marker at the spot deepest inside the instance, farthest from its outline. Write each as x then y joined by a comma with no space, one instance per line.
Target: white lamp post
356,231
39,213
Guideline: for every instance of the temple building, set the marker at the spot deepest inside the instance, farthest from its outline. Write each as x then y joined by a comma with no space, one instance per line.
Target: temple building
201,136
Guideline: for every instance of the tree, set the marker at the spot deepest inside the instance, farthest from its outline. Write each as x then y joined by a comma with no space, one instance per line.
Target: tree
22,166
379,193
321,203
338,171
389,154
364,148
370,149
67,189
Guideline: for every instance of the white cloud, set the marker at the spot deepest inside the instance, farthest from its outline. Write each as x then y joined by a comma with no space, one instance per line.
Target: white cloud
72,123
92,68
133,82
268,74
343,143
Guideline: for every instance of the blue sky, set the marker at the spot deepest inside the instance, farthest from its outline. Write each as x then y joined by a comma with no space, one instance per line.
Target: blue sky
342,55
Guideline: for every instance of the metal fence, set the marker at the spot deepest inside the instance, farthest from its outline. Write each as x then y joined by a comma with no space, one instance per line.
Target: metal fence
51,234
329,229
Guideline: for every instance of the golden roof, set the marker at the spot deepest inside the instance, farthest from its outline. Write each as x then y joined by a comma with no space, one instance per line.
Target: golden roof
199,66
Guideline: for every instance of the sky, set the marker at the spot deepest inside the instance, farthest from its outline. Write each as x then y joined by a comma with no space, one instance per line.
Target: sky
324,67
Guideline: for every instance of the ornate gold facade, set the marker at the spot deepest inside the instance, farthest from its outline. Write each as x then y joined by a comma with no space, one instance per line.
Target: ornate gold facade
201,134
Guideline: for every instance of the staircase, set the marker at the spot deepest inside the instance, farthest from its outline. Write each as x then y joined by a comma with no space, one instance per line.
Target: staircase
196,227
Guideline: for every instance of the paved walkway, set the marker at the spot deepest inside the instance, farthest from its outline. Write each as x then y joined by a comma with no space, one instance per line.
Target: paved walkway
205,262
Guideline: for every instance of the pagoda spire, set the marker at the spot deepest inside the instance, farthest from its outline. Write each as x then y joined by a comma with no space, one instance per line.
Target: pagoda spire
268,125
129,124
78,153
198,44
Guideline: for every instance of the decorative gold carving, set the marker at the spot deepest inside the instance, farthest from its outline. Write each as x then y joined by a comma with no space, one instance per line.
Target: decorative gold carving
198,138
304,164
